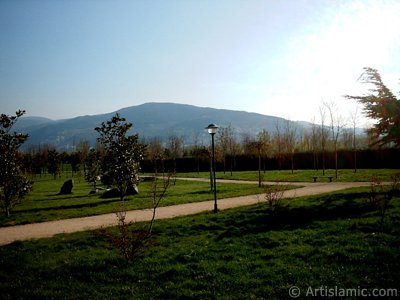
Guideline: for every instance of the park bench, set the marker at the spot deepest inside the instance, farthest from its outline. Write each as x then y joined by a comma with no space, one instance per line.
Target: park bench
329,177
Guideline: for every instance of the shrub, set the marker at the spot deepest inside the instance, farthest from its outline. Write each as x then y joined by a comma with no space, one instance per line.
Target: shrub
274,195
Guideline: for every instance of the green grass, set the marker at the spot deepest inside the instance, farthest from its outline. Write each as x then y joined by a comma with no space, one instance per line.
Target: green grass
362,175
43,203
245,253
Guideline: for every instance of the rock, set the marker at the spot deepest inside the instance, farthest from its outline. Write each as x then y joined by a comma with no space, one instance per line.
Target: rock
94,191
67,187
132,189
111,193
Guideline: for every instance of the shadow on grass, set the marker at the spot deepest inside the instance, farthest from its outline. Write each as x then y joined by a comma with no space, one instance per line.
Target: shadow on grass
69,206
66,197
330,207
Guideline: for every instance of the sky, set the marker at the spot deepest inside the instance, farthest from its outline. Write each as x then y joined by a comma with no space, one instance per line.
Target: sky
62,59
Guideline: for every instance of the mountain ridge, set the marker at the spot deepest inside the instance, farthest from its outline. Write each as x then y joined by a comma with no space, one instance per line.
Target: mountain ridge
152,119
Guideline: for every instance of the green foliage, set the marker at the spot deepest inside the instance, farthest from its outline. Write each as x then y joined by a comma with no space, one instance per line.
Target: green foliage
383,106
245,253
13,184
122,153
54,163
92,166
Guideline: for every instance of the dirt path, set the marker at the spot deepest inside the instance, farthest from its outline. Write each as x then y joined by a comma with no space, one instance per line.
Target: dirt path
49,229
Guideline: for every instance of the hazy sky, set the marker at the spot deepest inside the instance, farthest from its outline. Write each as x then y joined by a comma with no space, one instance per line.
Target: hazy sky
61,59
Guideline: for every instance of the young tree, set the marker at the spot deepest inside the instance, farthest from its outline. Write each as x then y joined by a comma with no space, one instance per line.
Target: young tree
264,139
354,121
92,166
323,135
175,149
122,152
223,144
383,106
82,152
233,147
253,146
278,142
289,139
336,126
198,151
54,162
156,154
13,184
315,135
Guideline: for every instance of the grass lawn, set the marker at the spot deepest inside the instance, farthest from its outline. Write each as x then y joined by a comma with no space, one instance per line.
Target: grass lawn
361,175
244,253
43,203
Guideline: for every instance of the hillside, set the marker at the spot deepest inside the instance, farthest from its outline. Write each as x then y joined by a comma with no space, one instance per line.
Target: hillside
149,120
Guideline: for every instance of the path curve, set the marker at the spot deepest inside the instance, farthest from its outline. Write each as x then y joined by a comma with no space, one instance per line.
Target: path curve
51,228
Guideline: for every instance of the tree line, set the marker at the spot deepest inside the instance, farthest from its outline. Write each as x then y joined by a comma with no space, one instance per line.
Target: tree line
117,155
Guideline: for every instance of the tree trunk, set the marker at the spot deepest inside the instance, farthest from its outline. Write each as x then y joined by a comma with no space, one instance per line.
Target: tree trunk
259,169
292,160
336,163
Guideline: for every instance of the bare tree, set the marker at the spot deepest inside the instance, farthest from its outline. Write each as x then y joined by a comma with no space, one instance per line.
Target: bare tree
157,195
82,150
175,148
247,144
315,136
323,135
346,139
290,138
197,150
228,145
304,142
264,139
223,144
130,243
256,146
278,142
336,126
155,153
354,115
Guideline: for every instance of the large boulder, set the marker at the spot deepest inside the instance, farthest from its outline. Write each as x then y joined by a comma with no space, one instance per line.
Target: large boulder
67,187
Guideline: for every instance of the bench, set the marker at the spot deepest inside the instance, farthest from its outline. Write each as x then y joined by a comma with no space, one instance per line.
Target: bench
329,177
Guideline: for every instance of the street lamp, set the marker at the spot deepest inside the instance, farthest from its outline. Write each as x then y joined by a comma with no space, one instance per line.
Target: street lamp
212,129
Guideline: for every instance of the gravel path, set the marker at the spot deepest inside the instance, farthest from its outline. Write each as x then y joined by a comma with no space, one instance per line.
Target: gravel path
49,229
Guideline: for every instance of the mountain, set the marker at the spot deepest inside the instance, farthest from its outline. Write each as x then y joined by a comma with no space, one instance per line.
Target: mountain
26,122
149,120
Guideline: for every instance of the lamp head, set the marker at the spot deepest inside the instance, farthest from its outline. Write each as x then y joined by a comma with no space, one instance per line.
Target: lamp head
212,128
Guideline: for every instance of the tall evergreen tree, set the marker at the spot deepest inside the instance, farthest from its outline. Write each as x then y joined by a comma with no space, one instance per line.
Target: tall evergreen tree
381,105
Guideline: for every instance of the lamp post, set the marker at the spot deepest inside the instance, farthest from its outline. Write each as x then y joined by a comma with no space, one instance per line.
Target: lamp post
212,129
